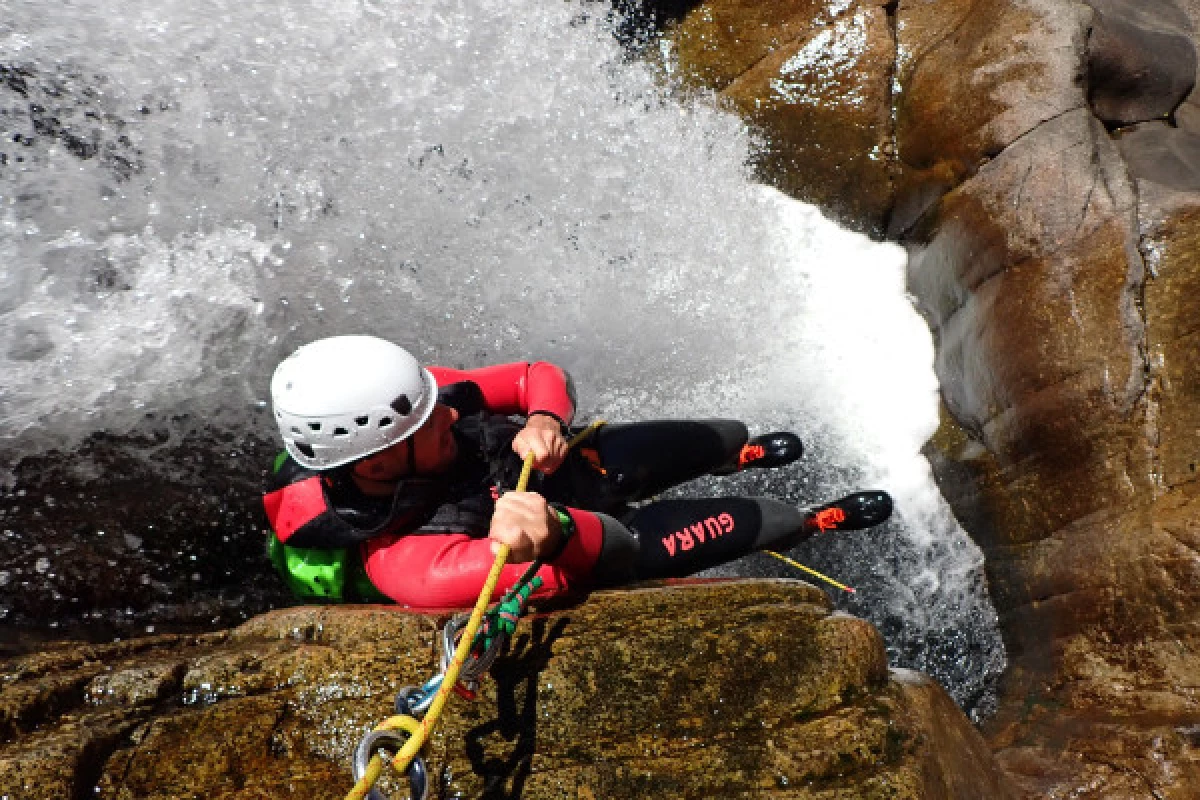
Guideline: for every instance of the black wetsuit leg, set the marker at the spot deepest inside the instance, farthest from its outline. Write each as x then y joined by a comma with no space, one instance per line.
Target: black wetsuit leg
642,459
676,538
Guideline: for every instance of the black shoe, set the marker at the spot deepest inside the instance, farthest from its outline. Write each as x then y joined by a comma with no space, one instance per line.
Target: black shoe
854,512
770,450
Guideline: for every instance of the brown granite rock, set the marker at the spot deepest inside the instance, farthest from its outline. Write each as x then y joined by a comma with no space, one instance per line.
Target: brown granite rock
1162,155
726,689
973,76
1187,114
1169,227
1059,281
1141,59
1109,704
1070,395
1056,264
815,80
1031,281
717,42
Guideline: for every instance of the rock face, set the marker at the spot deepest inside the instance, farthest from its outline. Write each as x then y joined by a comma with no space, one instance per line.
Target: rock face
1044,172
1141,60
706,690
815,79
964,72
1058,351
173,553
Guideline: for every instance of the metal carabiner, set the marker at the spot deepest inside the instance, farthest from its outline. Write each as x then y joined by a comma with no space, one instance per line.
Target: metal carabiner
476,666
468,674
415,700
418,774
451,631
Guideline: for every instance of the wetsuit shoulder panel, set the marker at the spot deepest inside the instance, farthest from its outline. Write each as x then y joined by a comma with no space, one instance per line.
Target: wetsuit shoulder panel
295,505
465,397
518,388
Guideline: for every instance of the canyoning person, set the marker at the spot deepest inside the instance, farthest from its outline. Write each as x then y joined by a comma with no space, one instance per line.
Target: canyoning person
392,484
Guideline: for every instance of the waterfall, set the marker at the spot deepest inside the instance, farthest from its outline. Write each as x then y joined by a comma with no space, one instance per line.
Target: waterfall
188,191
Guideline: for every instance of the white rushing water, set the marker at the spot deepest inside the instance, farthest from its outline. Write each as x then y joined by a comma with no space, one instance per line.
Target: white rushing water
191,190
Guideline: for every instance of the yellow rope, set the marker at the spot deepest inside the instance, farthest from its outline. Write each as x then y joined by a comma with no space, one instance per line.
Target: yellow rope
375,767
810,571
420,730
585,433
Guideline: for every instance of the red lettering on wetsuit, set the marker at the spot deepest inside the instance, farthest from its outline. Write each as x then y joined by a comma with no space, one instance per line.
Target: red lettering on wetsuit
706,529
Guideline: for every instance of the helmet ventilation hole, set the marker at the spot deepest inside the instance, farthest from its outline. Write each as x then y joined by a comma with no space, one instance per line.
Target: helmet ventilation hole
340,432
362,421
316,426
305,449
297,431
402,406
385,422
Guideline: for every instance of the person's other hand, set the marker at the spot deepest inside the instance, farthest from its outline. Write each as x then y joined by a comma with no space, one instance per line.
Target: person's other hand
542,436
527,524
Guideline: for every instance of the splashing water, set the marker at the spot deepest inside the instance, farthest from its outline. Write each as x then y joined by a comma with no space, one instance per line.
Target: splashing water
188,192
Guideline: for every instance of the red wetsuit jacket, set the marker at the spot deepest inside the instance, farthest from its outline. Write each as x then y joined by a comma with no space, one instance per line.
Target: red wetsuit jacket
447,569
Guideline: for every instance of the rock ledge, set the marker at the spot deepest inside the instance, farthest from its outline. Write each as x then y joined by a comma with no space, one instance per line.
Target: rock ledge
712,689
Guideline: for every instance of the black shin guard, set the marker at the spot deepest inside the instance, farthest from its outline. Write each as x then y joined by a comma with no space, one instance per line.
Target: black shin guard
680,537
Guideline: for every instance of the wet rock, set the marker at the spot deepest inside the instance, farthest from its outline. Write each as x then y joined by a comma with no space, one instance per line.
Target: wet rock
63,106
1059,279
706,689
1105,700
815,80
973,77
110,540
1141,60
135,686
1169,229
1163,155
1043,234
717,42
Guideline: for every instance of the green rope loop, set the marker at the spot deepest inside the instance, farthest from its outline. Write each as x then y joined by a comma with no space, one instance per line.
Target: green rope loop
501,620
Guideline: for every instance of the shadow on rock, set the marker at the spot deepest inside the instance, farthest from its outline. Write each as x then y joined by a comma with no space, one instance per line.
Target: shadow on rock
517,676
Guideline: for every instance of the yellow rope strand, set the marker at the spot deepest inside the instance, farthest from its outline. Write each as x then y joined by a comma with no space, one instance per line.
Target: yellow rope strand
422,729
585,433
375,767
810,571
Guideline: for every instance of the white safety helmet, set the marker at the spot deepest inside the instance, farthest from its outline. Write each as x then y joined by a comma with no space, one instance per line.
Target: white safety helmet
339,399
